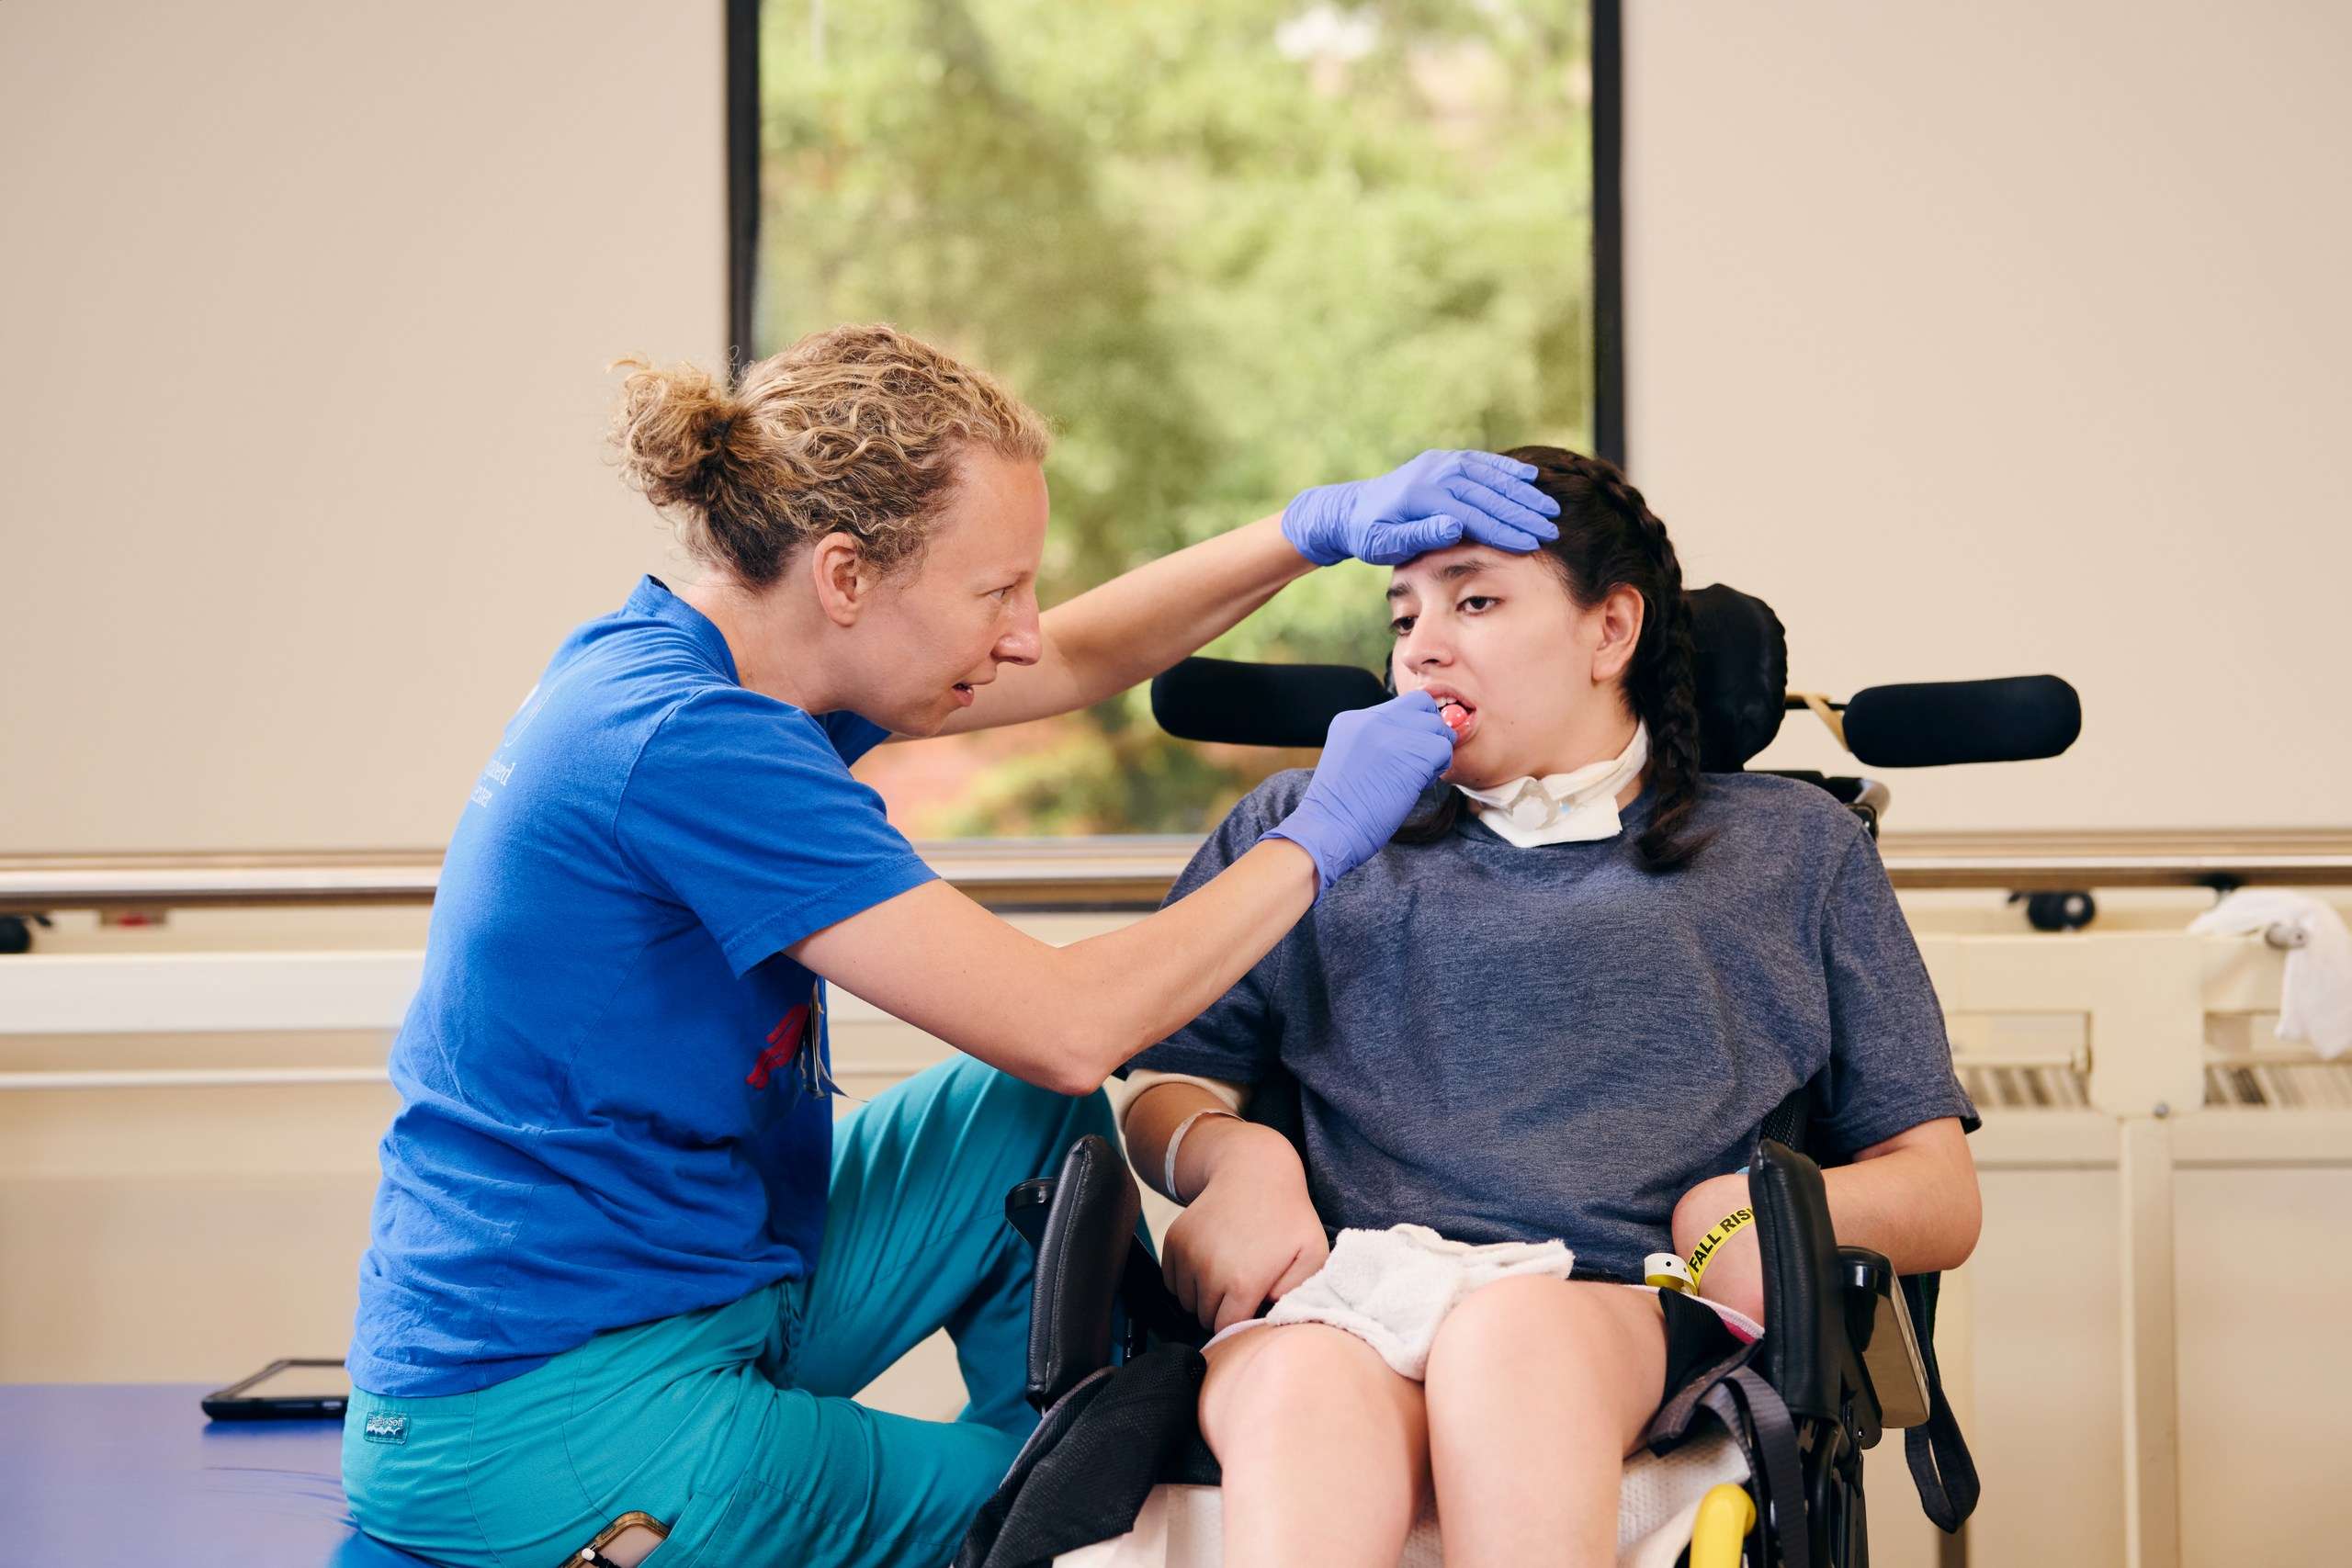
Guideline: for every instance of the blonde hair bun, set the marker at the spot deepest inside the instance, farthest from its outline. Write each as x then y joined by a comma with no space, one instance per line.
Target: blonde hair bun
853,429
672,425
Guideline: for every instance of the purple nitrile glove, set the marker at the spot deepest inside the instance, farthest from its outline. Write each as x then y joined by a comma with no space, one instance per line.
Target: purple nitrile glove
1438,499
1377,761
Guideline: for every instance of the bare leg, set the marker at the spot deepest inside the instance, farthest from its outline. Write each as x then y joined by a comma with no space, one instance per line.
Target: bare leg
1325,1449
1537,1389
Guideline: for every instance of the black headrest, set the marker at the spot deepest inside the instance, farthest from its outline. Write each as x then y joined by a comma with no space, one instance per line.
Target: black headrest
1743,675
1743,671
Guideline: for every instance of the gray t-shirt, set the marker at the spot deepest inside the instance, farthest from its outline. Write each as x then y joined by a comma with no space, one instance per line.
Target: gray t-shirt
1518,1044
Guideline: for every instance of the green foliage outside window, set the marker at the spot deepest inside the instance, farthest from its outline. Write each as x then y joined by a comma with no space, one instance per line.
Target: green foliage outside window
1230,249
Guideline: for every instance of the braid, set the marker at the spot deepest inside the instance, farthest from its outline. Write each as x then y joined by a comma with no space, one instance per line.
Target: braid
1662,679
1609,537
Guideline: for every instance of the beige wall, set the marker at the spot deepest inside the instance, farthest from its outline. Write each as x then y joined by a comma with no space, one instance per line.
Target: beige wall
2012,336
306,311
1981,339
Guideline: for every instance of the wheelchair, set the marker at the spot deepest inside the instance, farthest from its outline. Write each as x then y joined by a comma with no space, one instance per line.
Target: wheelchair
1114,1367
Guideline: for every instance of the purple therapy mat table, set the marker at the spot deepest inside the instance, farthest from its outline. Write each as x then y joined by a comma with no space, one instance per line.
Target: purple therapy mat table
130,1476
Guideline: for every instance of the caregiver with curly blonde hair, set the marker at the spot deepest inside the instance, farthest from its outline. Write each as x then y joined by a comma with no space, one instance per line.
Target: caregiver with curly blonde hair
627,1269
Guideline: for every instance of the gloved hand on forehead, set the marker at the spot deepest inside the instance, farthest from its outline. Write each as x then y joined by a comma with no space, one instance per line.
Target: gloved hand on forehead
1375,763
1438,499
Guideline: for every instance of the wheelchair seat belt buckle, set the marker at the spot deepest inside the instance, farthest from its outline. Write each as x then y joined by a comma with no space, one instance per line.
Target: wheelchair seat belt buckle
626,1542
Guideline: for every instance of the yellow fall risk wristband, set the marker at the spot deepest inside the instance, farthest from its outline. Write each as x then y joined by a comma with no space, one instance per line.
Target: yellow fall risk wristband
1722,1231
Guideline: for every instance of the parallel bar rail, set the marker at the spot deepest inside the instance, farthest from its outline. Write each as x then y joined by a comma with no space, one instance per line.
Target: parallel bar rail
1134,872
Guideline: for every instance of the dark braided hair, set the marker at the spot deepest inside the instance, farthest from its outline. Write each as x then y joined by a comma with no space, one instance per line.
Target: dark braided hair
1611,538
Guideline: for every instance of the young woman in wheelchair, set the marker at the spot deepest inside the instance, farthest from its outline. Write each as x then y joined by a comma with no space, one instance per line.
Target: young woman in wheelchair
1559,1004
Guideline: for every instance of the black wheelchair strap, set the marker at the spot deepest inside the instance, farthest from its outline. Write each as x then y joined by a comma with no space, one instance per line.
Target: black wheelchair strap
1671,1425
1761,1423
1751,1411
1941,1466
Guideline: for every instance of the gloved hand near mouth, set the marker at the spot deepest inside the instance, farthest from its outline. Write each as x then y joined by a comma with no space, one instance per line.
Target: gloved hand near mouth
1375,763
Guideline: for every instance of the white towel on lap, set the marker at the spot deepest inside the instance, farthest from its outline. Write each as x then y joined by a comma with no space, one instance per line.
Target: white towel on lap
1393,1287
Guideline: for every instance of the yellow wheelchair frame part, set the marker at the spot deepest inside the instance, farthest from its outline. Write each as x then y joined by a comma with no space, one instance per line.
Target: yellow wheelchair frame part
1725,1516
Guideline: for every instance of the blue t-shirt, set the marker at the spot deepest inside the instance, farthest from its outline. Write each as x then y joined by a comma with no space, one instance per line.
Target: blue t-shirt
606,1116
1509,1044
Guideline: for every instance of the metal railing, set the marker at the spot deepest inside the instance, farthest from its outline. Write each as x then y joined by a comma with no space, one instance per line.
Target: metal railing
1115,873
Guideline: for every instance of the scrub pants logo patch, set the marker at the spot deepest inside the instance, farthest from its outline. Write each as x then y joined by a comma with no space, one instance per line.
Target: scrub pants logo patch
784,1041
385,1428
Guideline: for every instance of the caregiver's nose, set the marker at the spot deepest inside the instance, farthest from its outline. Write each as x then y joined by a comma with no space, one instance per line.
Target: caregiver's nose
1024,643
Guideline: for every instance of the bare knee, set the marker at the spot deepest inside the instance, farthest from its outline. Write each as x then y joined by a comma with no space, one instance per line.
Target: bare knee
1303,1377
1594,1352
1303,1372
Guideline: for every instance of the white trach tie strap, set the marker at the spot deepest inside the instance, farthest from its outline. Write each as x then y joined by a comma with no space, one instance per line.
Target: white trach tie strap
1176,1141
1563,809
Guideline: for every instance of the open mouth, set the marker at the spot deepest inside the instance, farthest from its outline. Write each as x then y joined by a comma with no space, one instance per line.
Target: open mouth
964,694
1459,716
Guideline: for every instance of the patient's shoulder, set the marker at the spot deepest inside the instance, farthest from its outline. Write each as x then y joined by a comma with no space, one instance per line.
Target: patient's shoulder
1272,800
1772,791
1279,792
1789,814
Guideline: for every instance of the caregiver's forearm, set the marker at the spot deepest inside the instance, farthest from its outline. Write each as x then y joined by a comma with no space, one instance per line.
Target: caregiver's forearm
1134,987
1063,1018
1139,622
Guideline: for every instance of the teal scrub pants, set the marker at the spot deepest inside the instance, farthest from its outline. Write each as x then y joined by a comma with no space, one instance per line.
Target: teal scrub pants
734,1425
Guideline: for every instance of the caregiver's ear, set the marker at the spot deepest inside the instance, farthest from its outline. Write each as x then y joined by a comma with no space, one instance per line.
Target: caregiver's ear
1618,617
842,578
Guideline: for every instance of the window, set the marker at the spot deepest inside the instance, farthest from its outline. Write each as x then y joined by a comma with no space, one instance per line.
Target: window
1229,248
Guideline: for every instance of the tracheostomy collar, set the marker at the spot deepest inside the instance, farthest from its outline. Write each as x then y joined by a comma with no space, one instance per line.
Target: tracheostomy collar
1562,808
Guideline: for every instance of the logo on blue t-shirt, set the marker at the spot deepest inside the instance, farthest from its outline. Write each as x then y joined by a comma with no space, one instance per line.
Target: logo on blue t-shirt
784,1042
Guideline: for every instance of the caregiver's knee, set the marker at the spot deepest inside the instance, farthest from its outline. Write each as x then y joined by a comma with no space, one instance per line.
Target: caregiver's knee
991,1095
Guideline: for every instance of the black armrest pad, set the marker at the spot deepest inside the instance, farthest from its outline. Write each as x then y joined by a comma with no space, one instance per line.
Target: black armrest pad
1090,1224
1807,1355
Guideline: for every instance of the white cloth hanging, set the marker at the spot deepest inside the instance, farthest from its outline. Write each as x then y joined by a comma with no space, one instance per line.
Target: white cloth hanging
2315,991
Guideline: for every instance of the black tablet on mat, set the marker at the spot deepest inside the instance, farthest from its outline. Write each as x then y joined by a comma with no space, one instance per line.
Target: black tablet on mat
284,1391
